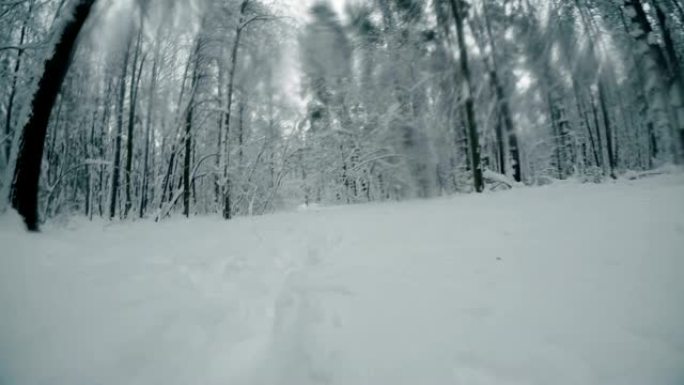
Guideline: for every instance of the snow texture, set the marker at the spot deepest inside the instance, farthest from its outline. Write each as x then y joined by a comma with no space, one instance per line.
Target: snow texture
563,284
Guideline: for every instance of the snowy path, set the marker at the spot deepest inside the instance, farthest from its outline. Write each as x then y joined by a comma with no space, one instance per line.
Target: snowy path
568,284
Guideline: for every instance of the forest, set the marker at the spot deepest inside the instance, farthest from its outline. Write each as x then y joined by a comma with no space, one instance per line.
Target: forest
157,108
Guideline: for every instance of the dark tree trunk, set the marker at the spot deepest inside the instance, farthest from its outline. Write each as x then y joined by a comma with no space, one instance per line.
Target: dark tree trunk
241,132
188,132
133,96
27,171
473,135
500,146
609,130
219,144
186,162
227,214
599,142
116,171
592,143
557,136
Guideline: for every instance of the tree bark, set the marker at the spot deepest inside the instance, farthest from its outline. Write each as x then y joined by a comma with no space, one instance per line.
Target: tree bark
473,135
27,171
188,131
148,127
229,98
116,171
609,129
186,162
133,99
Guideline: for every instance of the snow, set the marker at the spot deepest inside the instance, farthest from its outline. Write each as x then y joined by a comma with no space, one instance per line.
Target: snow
563,284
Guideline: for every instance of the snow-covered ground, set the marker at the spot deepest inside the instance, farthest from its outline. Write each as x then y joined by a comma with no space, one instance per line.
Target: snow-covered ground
565,284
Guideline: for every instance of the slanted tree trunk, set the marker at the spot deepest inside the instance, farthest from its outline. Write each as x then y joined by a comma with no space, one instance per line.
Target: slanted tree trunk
27,171
473,135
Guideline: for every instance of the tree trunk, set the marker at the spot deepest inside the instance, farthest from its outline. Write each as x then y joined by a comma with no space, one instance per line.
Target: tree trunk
188,131
148,127
609,129
133,98
504,109
116,168
473,135
186,162
220,158
598,133
27,171
102,136
229,98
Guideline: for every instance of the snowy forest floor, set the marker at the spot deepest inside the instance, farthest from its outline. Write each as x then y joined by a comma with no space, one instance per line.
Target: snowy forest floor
564,284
